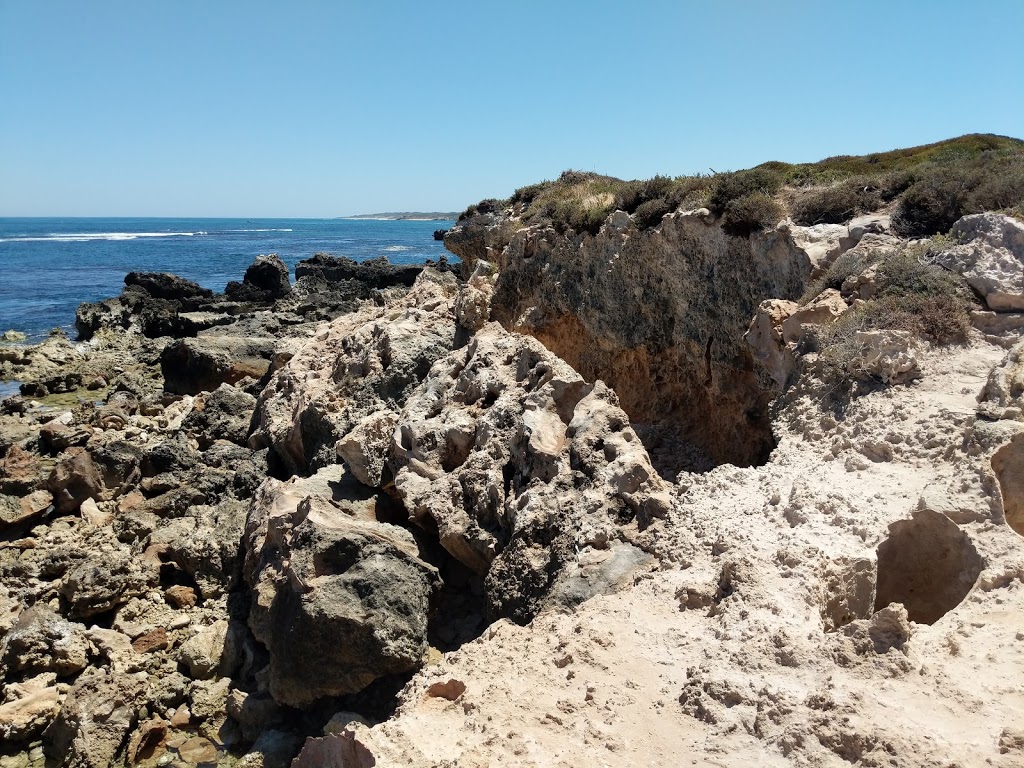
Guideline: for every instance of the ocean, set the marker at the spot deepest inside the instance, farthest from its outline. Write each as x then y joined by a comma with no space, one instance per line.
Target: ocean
49,266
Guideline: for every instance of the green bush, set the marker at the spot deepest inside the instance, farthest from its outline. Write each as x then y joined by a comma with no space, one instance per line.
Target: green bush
529,193
751,213
650,213
837,204
731,187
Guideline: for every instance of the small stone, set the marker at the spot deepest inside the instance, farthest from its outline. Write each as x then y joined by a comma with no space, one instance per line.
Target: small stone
180,596
156,640
181,717
198,750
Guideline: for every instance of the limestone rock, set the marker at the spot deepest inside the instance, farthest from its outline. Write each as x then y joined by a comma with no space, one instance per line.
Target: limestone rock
223,414
990,255
1008,464
74,478
41,641
338,599
265,279
95,719
20,471
15,512
823,310
886,355
356,366
510,454
764,337
1003,394
26,717
191,366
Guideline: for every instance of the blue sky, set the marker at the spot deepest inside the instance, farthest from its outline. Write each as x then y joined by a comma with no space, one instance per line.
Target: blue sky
307,108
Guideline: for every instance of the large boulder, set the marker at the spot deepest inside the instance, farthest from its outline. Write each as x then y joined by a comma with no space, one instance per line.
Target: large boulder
1002,397
355,366
163,285
223,414
41,641
990,255
339,599
265,279
519,464
202,364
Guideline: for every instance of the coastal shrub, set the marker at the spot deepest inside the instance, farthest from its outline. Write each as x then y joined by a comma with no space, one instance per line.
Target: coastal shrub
845,265
650,213
836,204
526,195
944,191
735,186
751,213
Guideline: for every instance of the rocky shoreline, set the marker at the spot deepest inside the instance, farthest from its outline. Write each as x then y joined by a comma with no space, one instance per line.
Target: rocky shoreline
517,512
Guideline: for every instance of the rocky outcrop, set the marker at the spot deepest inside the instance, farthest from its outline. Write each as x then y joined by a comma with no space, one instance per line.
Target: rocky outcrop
339,599
266,279
191,366
990,255
519,465
646,312
353,368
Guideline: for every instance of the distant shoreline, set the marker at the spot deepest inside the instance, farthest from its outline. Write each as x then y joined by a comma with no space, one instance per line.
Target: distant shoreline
409,216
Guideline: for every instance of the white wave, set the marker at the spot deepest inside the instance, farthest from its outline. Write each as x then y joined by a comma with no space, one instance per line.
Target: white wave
84,237
259,230
396,248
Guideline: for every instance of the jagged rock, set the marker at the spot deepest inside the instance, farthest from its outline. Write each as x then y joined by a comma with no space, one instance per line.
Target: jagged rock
990,255
57,436
1008,465
163,285
887,355
223,414
365,449
473,308
646,313
26,717
338,598
108,575
823,310
20,471
1003,394
74,478
515,459
265,279
41,641
191,366
213,651
356,366
764,337
204,544
95,719
15,512
375,273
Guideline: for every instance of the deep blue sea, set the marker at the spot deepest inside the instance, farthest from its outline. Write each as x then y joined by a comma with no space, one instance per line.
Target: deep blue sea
49,266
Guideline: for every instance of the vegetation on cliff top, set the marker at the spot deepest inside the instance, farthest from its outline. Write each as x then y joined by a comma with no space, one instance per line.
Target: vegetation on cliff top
926,189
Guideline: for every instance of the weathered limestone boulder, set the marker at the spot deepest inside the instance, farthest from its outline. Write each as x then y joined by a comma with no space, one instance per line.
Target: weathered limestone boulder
16,512
1002,397
109,575
223,414
473,308
26,716
74,478
764,337
339,599
990,255
887,355
1008,465
823,310
191,366
204,544
356,366
519,464
95,719
20,471
41,641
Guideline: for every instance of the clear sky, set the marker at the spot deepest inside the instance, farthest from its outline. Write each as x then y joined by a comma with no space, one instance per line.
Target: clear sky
315,108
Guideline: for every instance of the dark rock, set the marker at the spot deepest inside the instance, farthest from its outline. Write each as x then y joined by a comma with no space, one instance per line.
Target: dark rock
373,273
265,279
440,233
223,414
57,437
163,285
191,366
339,601
74,478
174,455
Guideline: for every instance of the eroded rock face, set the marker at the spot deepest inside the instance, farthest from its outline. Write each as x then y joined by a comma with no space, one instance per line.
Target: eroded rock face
990,255
1003,394
339,599
519,464
354,367
647,313
191,366
265,279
